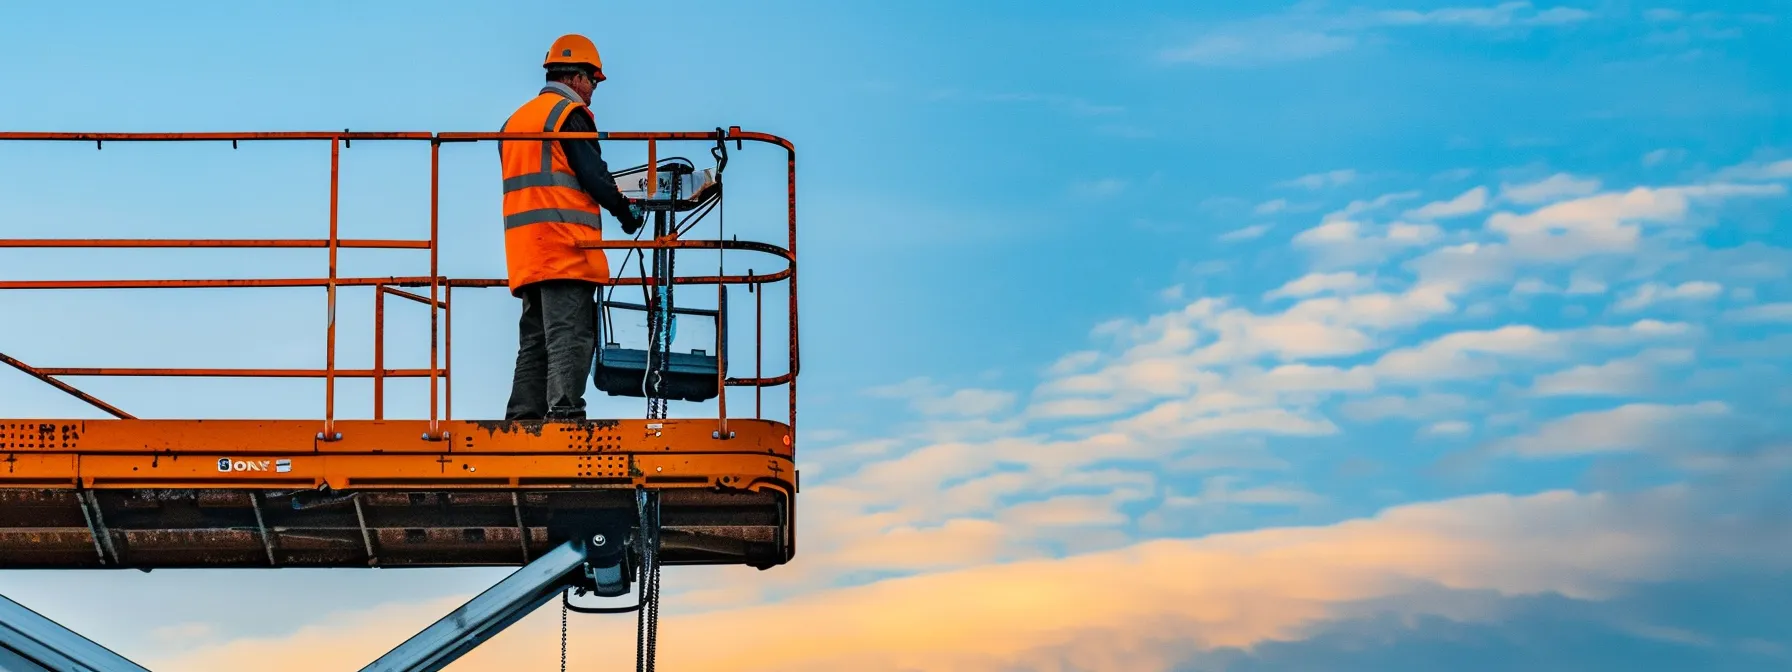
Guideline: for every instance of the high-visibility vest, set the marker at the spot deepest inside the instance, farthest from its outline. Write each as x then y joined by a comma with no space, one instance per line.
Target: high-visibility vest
546,213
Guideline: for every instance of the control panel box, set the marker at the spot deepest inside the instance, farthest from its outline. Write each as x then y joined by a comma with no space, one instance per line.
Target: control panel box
687,185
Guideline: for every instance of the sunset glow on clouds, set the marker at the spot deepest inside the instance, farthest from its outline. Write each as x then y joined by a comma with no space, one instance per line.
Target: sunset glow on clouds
1152,604
1057,534
1436,374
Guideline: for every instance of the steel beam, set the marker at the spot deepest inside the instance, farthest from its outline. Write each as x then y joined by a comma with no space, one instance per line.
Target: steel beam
488,614
29,642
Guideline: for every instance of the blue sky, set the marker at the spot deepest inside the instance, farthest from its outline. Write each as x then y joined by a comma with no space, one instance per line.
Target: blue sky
1378,333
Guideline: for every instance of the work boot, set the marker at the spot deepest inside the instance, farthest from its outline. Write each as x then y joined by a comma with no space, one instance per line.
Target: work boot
566,415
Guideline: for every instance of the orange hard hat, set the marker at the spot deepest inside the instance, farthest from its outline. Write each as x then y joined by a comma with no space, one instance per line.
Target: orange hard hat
574,50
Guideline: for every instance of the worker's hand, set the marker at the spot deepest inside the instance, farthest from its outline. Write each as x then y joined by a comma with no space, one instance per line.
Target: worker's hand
635,220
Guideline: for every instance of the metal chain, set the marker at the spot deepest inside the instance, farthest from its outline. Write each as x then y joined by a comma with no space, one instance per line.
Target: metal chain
659,321
647,625
659,352
642,552
653,613
662,365
665,361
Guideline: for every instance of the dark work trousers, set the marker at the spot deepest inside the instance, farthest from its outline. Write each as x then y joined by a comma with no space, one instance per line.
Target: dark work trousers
557,335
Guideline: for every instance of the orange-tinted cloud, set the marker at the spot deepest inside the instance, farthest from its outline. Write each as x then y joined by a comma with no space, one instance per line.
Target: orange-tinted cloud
1135,608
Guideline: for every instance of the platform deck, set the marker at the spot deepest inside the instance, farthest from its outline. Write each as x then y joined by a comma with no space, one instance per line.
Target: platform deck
148,494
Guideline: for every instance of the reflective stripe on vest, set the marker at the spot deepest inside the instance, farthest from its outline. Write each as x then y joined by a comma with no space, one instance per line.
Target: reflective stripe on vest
540,215
548,177
540,180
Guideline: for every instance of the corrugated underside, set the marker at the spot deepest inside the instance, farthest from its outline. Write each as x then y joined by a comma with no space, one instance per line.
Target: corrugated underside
155,529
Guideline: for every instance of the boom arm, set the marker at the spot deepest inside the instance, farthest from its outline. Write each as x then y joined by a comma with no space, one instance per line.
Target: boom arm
486,615
29,642
596,559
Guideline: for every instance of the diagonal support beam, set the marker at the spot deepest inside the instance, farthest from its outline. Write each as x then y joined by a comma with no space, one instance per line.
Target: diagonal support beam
495,609
65,387
29,642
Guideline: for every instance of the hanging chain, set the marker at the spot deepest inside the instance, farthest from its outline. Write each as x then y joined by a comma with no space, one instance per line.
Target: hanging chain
642,551
659,349
663,364
647,625
665,344
652,609
660,320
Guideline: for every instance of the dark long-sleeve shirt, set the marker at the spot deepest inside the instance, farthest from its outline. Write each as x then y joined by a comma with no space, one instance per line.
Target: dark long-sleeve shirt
588,165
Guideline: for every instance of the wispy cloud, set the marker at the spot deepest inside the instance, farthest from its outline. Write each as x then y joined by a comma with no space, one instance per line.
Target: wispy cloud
1554,187
1652,293
1319,283
1418,407
1758,171
1259,46
1471,354
1468,203
932,399
1308,32
1498,16
1219,491
1332,178
1604,224
1628,427
1271,207
1678,28
1365,206
1764,313
1663,156
1631,376
1345,242
1107,187
1246,233
1449,428
1070,104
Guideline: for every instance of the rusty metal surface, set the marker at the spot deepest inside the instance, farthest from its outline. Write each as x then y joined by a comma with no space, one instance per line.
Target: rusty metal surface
194,528
174,437
395,455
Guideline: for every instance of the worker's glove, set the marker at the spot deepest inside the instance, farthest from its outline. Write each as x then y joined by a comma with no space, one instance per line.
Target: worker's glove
633,223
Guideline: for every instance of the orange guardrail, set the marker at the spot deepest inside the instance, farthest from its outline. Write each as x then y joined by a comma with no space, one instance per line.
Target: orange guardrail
440,288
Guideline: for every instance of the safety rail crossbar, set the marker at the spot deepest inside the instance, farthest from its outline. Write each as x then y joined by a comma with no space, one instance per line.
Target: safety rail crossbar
439,298
346,243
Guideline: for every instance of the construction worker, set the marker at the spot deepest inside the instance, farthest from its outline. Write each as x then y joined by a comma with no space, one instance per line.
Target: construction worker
554,194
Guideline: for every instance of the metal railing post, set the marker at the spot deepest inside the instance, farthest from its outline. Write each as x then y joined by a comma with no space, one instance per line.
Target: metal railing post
435,281
379,352
330,348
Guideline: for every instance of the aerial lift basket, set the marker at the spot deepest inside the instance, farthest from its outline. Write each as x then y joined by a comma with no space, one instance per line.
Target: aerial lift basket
566,501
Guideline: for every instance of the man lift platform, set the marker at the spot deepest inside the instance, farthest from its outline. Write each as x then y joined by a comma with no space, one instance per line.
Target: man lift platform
582,507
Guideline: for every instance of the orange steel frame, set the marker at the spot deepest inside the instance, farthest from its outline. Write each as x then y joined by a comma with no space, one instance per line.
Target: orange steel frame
384,454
